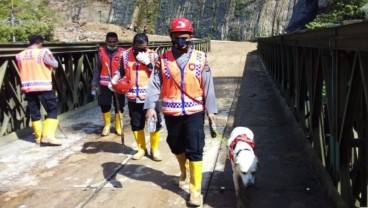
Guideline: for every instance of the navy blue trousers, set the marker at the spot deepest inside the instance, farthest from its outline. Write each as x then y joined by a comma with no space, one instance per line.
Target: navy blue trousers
138,116
47,99
186,135
107,97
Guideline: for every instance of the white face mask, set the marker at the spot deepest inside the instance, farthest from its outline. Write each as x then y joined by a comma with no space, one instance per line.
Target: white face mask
112,48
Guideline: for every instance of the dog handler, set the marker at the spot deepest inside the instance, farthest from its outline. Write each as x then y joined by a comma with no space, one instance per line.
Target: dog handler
184,82
137,65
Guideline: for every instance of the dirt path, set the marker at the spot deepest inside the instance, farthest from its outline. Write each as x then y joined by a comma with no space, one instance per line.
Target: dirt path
227,59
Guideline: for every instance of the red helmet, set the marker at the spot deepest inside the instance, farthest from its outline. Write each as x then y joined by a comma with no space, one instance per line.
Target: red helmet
122,86
181,24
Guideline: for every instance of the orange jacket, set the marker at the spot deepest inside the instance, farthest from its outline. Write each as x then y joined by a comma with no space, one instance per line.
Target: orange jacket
112,63
34,74
138,74
174,101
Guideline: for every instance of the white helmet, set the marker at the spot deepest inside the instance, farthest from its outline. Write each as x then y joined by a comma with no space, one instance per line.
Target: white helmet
239,131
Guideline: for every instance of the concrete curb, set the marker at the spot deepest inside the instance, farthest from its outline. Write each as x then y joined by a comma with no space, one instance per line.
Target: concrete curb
322,175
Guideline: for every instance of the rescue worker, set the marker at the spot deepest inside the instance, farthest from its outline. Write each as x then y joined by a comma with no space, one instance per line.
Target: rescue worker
183,81
35,66
137,65
107,63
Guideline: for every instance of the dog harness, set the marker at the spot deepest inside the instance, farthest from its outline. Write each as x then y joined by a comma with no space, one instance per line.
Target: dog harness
239,138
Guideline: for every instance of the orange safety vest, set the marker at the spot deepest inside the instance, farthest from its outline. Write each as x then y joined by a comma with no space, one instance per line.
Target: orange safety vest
138,74
174,101
34,74
108,64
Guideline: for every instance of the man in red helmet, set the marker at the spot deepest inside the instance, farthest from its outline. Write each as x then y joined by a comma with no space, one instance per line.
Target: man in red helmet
107,63
136,67
184,82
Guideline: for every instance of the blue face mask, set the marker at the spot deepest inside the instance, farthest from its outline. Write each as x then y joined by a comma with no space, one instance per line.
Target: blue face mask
180,44
112,48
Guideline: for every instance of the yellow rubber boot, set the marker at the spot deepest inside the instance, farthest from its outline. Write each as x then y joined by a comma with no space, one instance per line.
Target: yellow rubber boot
107,123
195,186
48,135
141,144
37,129
118,123
155,140
183,165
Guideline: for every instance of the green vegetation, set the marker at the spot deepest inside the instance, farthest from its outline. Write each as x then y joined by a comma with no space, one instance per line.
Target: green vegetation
240,5
235,33
147,15
340,10
28,18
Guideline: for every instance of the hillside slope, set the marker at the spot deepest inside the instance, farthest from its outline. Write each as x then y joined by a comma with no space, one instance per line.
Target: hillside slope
86,21
214,19
93,31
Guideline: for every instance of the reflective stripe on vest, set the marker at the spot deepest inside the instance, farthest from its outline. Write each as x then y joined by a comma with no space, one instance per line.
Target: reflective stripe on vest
174,101
34,74
139,74
113,64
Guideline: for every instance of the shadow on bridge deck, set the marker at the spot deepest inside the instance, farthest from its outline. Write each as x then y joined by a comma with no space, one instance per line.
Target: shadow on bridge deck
93,171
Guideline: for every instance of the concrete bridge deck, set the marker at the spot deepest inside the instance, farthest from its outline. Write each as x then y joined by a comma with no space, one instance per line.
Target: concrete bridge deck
93,171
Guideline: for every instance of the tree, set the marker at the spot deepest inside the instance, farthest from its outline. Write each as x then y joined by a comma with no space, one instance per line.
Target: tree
338,11
29,18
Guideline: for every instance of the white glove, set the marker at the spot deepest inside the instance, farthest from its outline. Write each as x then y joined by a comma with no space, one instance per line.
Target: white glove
110,86
143,58
114,81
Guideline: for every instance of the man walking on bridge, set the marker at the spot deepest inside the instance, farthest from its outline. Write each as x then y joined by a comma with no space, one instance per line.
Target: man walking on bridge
183,80
107,63
136,66
35,66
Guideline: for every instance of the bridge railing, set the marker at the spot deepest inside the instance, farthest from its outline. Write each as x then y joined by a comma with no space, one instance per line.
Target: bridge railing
323,77
72,78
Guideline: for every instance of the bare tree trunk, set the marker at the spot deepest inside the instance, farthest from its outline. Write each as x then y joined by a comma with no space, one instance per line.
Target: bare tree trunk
110,11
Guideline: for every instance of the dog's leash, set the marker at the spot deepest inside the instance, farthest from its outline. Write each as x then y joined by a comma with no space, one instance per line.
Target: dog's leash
215,133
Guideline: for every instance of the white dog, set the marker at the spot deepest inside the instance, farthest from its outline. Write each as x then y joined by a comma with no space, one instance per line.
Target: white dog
241,153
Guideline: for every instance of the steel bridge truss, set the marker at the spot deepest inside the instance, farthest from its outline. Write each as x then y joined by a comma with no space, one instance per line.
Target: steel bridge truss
323,77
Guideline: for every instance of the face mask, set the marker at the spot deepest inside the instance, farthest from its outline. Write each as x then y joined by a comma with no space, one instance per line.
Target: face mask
112,48
180,44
